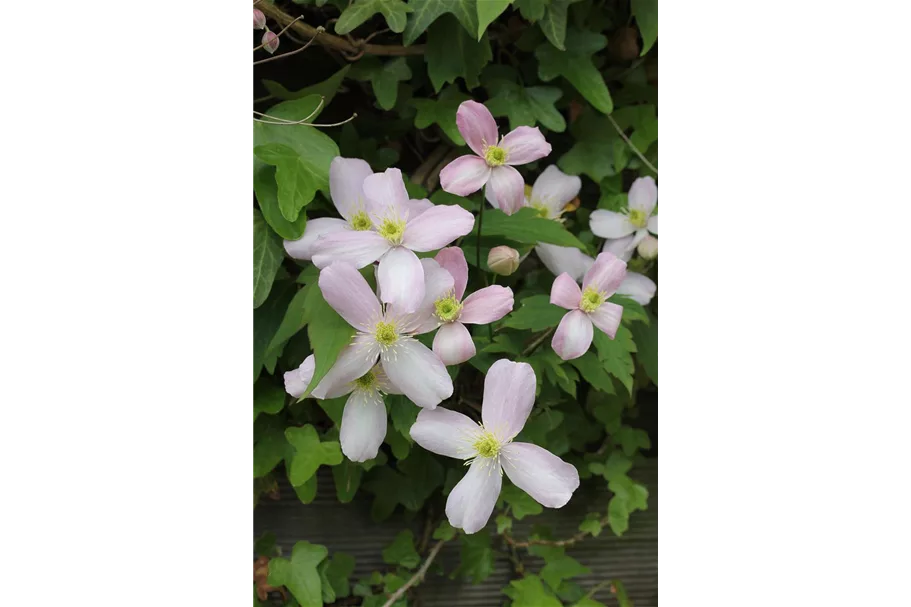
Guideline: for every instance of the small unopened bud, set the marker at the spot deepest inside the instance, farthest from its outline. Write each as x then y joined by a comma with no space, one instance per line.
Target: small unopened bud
270,41
259,19
503,260
648,247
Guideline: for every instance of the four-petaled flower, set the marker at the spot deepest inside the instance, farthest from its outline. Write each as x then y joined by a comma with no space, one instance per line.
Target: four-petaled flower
626,230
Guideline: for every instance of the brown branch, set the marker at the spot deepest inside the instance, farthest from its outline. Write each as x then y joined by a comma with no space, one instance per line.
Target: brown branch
337,43
417,577
537,342
567,542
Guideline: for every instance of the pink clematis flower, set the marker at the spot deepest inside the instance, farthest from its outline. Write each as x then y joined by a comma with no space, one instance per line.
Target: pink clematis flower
399,233
453,343
588,306
495,158
626,230
509,394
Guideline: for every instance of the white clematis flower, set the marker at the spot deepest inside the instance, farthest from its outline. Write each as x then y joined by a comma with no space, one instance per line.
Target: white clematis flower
626,230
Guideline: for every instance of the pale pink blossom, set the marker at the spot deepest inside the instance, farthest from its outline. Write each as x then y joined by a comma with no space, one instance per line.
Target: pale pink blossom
259,19
270,42
509,395
638,287
588,306
494,159
399,232
625,230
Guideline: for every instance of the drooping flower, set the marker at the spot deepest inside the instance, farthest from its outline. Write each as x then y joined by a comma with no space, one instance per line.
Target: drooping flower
509,394
588,306
259,19
270,42
503,260
346,181
638,287
453,343
495,158
626,230
398,234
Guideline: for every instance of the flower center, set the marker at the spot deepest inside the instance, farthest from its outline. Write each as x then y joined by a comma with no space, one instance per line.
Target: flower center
448,308
542,210
392,230
487,445
591,300
361,222
638,218
366,381
495,156
385,334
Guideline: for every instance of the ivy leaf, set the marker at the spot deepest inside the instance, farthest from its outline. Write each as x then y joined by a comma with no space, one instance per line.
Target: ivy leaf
309,453
297,180
617,465
532,10
488,11
425,12
526,226
347,478
521,503
576,65
631,440
384,78
444,531
268,450
530,592
294,319
326,89
562,568
267,258
535,313
591,524
527,106
329,333
646,14
267,398
306,493
592,152
629,496
615,354
554,23
593,372
401,551
395,12
338,570
422,474
441,111
646,338
476,556
452,53
299,574
266,191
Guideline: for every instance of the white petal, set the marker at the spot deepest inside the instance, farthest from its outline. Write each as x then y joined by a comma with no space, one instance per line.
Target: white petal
453,344
363,425
437,283
643,195
302,248
446,433
653,224
555,189
401,279
353,362
573,336
346,180
509,394
638,287
540,474
608,224
417,372
559,259
621,247
472,500
296,381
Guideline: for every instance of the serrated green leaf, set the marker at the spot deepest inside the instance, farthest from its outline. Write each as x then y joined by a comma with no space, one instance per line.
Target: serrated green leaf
646,14
299,574
309,454
394,11
268,398
631,440
526,226
504,523
615,354
527,106
535,313
591,524
576,65
401,551
425,12
562,568
452,53
441,111
521,503
329,334
530,592
617,465
488,11
267,258
383,77
593,372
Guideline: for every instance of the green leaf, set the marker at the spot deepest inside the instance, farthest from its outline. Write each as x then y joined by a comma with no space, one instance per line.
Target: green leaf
629,496
646,14
267,258
631,440
326,89
401,551
526,226
530,592
554,23
591,524
477,556
403,413
425,12
384,78
422,474
535,313
527,106
521,503
441,111
309,454
646,338
532,10
299,574
576,65
339,569
347,476
504,523
444,531
452,53
395,12
297,180
329,333
562,568
294,319
632,310
306,492
266,191
267,398
617,465
615,354
266,320
488,11
268,450
265,545
593,372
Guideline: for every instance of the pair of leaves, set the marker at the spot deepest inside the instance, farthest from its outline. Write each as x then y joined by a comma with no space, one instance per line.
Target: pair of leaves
383,77
267,258
441,111
394,11
576,65
452,53
402,551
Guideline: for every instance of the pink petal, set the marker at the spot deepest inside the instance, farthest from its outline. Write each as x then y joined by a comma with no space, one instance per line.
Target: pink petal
349,294
353,362
417,206
452,259
417,372
437,283
296,381
573,336
540,474
606,274
555,189
302,248
509,394
465,175
525,144
489,195
565,292
477,126
359,248
608,224
363,425
508,187
446,433
653,224
559,259
401,279
437,227
643,195
346,180
487,305
621,247
453,344
386,194
638,287
607,318
472,500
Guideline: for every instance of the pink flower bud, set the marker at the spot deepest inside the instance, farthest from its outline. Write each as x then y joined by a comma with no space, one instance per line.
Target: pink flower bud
648,247
270,41
259,19
503,260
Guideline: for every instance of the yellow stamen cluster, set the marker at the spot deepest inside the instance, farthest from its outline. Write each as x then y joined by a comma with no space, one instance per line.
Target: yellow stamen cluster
366,381
385,334
638,218
447,308
591,300
495,156
542,210
487,444
360,222
392,230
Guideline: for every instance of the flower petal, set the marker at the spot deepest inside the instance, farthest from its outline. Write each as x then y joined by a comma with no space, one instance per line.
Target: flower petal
302,248
437,227
508,187
417,206
437,283
472,500
417,372
653,224
545,477
573,336
606,274
525,144
401,279
353,362
452,259
489,195
559,259
383,382
643,195
349,294
608,224
446,433
555,189
386,194
453,344
357,248
621,247
296,381
346,181
363,425
509,394
565,292
477,126
607,318
465,175
638,287
487,305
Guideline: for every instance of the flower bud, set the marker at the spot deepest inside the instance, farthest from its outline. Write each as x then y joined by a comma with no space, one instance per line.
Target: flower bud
259,19
270,41
648,247
503,260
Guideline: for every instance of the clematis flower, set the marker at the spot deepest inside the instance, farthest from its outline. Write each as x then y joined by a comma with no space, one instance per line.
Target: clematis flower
346,180
453,343
588,306
495,158
382,334
638,287
626,230
399,233
509,394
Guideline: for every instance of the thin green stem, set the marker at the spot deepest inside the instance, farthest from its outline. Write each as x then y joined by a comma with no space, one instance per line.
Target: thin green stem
537,342
630,144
